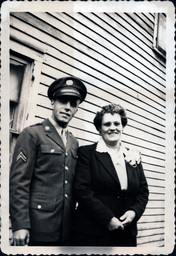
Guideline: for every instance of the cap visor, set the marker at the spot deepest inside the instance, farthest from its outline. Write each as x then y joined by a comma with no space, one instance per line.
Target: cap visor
71,94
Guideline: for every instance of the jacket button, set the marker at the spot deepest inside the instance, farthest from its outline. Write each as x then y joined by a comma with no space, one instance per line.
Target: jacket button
47,128
66,181
66,154
52,150
66,196
118,197
66,168
39,206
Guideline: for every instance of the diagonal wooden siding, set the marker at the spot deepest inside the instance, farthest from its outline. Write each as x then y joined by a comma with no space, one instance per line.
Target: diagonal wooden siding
112,53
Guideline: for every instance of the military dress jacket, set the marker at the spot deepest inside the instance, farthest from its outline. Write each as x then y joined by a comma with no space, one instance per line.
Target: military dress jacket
98,192
41,180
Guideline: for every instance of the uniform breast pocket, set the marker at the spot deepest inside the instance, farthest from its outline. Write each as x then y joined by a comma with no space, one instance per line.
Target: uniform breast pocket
51,158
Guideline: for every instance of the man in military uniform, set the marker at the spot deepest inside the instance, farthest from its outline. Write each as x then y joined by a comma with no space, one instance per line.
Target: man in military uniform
43,167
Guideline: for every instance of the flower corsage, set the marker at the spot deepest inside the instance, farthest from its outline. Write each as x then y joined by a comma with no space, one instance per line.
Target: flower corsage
132,156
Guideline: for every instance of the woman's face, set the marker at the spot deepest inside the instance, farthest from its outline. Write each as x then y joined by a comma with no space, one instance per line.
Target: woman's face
111,129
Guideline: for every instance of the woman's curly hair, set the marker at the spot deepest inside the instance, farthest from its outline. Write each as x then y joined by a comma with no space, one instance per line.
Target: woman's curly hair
112,109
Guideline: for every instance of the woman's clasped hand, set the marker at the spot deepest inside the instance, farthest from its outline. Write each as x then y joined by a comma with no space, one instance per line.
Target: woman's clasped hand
123,221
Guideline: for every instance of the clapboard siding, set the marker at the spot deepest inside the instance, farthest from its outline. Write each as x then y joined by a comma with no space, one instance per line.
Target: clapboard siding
150,225
109,81
146,30
157,233
112,54
118,37
69,39
145,24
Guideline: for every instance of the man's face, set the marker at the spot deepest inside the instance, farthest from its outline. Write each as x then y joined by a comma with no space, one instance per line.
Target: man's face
64,108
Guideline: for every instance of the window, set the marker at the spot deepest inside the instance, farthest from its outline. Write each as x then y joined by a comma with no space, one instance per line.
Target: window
159,42
20,84
16,78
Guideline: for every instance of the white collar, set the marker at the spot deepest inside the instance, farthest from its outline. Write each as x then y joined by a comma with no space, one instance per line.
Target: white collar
103,148
131,155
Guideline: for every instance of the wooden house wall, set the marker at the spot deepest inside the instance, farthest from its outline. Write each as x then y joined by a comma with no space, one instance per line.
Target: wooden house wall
112,54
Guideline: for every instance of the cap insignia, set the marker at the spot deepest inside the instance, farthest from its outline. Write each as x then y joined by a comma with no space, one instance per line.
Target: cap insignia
69,82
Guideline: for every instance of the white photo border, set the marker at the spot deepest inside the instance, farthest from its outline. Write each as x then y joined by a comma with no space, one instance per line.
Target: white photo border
89,6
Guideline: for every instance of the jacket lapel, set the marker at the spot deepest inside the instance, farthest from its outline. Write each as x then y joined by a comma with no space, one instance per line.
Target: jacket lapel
52,133
106,161
130,176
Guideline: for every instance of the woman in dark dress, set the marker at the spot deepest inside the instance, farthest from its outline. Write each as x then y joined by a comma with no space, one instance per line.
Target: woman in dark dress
110,186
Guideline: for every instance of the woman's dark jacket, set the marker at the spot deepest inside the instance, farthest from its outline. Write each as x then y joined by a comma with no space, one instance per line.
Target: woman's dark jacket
98,193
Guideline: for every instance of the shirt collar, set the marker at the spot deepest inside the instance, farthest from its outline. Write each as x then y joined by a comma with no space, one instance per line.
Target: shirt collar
58,128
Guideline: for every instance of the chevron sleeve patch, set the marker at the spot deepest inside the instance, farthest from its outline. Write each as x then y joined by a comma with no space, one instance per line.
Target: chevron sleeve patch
21,156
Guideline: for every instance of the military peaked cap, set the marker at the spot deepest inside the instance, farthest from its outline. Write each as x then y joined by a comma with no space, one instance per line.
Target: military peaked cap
67,86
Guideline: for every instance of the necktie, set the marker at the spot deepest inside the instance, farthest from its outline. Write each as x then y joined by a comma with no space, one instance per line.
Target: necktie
63,136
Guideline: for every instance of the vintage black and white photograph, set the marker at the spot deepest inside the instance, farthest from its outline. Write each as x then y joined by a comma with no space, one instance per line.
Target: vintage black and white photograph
87,127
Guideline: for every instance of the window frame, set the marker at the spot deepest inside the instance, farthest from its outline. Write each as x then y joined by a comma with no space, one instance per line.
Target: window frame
157,31
21,109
